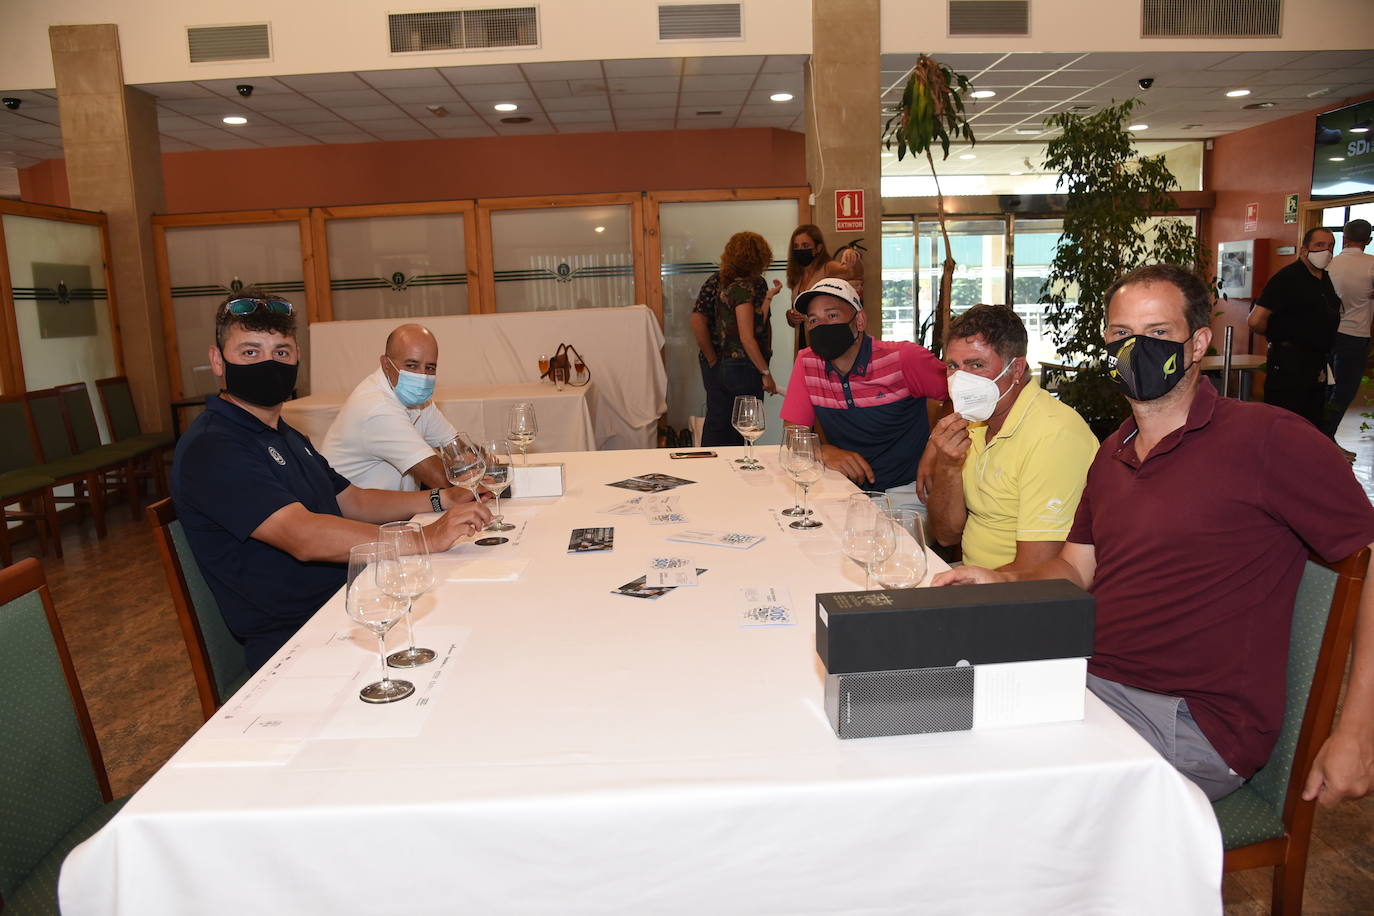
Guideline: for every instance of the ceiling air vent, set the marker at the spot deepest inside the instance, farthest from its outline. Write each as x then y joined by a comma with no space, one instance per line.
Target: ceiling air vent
208,43
700,21
989,17
458,30
1210,18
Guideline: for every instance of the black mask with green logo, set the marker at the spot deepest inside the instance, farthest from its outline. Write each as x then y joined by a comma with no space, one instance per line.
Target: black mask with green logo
1146,368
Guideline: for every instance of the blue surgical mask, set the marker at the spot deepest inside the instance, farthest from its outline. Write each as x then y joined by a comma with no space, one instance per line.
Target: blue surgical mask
412,388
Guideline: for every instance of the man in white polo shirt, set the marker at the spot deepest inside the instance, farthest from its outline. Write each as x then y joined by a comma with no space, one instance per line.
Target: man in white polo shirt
385,436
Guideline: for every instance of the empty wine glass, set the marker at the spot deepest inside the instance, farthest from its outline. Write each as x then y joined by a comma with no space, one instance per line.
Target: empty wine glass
868,537
521,428
463,462
749,421
369,605
496,479
790,433
805,467
408,576
905,567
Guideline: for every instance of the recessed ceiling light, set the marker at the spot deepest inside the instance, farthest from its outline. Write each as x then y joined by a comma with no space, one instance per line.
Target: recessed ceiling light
506,106
235,119
967,156
982,93
780,97
1028,131
1016,173
599,229
1237,93
1258,106
1337,158
1139,127
1317,93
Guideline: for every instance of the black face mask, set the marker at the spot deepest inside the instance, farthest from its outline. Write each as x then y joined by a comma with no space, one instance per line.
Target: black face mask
1146,368
265,384
829,341
803,256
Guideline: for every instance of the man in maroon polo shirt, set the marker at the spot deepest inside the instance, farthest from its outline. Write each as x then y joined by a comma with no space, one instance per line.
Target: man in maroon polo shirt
1192,533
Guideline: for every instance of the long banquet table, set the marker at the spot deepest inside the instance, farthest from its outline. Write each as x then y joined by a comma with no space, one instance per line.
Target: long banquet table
566,418
579,752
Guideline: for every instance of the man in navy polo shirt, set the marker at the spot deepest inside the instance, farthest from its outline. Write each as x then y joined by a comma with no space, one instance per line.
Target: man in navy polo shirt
1192,534
269,521
869,396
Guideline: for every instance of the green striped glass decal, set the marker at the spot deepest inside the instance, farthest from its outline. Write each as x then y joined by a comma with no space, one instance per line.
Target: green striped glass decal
565,273
706,267
44,294
400,282
214,289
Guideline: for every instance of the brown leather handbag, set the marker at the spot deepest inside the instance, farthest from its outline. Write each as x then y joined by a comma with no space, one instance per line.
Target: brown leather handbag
574,368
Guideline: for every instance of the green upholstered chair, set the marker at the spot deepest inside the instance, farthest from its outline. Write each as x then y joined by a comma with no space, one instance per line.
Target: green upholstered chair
22,483
121,417
54,792
216,656
1266,822
124,457
60,460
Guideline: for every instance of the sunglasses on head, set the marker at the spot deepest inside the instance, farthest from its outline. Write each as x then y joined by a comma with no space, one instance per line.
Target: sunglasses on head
243,307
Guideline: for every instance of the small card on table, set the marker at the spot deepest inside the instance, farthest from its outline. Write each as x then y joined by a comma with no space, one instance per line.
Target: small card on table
671,572
650,483
735,539
591,540
764,606
638,588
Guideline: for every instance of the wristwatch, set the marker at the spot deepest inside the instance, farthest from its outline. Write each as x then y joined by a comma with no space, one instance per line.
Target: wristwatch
435,501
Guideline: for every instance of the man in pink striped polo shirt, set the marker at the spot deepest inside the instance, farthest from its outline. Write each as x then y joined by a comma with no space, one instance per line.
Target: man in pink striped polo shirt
869,396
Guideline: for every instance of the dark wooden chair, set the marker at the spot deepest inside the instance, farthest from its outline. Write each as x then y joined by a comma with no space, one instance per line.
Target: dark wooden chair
22,482
83,472
1266,822
217,659
124,457
121,418
55,793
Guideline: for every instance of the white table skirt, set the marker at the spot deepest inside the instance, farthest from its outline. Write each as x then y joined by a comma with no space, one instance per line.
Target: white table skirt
565,417
623,347
595,754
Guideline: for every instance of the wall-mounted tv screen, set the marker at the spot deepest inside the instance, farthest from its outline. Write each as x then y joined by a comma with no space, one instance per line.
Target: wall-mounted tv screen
1343,161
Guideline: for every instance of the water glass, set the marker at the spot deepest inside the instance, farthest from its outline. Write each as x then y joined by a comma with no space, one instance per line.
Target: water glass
521,427
749,421
369,605
906,566
805,467
868,537
409,576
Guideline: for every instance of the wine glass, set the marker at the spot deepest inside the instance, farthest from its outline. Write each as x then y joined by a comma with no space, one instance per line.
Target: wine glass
805,467
463,462
496,479
790,433
543,364
868,538
408,576
368,604
749,421
579,370
521,427
905,567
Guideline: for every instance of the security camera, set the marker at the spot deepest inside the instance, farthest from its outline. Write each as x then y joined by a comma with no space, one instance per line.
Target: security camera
12,104
244,89
1145,82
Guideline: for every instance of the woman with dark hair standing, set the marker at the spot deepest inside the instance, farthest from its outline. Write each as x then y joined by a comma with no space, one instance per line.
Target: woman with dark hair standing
730,322
809,262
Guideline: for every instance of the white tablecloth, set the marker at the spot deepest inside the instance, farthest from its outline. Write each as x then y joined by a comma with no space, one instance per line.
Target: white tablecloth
595,753
565,417
623,347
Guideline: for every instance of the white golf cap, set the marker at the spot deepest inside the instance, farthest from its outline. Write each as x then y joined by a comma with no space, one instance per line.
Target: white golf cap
840,289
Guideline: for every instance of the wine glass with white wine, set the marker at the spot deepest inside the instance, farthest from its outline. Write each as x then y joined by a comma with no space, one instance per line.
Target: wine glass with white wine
785,454
521,428
463,462
749,421
496,479
805,467
408,576
369,605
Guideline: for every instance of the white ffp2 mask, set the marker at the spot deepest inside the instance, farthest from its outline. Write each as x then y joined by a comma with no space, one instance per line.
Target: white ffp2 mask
975,397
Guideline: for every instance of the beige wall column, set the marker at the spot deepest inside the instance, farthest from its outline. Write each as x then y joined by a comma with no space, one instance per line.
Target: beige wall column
114,164
843,128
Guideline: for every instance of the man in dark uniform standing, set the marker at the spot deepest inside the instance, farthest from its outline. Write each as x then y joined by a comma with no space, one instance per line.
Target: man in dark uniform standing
1298,312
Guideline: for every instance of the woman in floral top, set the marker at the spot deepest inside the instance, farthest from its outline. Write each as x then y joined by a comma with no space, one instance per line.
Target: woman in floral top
730,322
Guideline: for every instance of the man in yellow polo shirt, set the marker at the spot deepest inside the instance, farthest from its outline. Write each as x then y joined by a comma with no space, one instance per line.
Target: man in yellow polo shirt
1010,461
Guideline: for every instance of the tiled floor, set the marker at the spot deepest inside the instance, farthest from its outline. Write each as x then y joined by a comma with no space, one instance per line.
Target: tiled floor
112,599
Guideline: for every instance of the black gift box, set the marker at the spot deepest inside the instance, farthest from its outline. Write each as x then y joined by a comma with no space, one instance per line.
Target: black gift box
957,624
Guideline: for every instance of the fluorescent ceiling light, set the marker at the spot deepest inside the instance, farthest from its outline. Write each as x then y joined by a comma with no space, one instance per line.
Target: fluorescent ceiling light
1139,127
1237,93
1028,131
235,119
780,97
505,106
982,93
967,156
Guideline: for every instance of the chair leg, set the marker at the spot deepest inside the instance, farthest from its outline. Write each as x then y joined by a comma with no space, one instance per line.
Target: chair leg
1288,886
48,507
5,553
95,489
133,491
160,474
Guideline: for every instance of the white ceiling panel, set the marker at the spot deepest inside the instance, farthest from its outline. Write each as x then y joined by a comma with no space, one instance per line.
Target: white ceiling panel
423,94
402,79
422,113
710,99
553,89
590,127
1259,60
717,83
644,100
490,73
167,120
279,102
601,116
388,124
262,85
175,90
354,97
324,82
314,115
784,63
570,70
211,105
627,115
643,84
368,112
661,124
451,121
472,130
328,127
576,104
497,92
700,66
669,66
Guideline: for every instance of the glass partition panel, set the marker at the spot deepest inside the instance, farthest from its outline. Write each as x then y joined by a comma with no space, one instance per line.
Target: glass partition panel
61,305
979,247
900,318
206,263
1034,242
694,234
397,266
562,258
